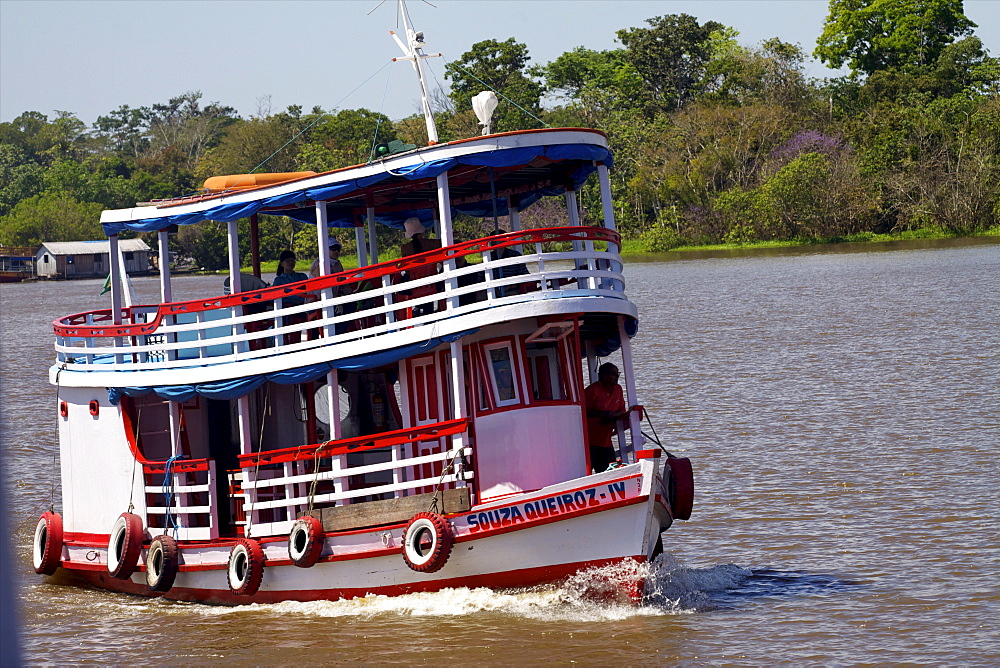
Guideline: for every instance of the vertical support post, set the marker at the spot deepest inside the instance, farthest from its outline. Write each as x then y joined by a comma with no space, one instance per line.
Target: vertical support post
447,233
174,413
572,209
116,281
607,204
372,239
591,362
514,213
116,292
459,408
322,239
164,262
608,209
234,257
254,245
573,212
333,406
232,232
333,410
635,426
246,447
325,265
175,428
444,210
359,238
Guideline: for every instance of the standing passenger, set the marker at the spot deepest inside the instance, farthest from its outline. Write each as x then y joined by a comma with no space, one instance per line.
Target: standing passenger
605,405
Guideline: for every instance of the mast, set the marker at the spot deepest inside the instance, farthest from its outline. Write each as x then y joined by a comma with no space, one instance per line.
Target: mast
413,50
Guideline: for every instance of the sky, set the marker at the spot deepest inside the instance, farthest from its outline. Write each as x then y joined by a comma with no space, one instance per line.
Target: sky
91,57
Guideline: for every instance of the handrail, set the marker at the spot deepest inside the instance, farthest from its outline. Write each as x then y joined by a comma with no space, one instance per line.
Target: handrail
178,466
65,326
355,444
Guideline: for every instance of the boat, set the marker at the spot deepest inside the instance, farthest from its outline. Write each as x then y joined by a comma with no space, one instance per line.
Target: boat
17,263
405,426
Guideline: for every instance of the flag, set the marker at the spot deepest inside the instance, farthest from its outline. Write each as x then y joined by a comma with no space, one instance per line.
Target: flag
107,285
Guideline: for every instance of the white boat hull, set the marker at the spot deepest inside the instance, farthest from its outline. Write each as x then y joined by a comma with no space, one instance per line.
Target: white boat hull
524,540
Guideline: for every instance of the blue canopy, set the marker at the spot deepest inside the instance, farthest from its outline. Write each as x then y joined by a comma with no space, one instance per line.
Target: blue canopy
341,217
237,387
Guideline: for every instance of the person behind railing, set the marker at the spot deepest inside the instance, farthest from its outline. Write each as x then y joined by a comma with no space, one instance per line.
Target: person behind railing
249,283
335,265
605,406
415,230
334,248
519,269
286,274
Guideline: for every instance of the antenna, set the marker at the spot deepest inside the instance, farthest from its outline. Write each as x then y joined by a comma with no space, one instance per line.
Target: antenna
413,52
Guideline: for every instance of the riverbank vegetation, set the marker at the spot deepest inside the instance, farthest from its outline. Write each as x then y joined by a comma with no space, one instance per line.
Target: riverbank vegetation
715,142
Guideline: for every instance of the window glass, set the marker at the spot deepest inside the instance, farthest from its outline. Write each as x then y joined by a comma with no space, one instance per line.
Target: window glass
501,366
548,380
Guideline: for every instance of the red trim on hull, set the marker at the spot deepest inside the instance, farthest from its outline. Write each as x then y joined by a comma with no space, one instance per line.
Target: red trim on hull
526,577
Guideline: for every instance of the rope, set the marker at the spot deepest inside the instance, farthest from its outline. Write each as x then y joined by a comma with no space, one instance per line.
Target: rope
135,460
318,119
168,493
256,468
31,516
381,108
449,467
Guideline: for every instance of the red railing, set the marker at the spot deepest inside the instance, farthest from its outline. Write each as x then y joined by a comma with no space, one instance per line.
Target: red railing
74,325
356,444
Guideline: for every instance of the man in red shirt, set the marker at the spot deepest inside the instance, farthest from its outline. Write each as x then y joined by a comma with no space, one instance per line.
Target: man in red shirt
605,406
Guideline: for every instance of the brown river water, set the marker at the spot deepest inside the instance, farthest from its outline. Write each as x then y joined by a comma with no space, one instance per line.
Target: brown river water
840,405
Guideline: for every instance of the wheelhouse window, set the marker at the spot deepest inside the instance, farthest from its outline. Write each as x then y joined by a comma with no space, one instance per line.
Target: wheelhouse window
503,378
548,378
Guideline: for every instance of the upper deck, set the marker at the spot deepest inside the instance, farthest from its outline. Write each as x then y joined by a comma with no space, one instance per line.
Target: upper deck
375,314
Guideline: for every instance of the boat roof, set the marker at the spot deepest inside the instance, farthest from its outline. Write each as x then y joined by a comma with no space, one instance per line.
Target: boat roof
97,246
523,166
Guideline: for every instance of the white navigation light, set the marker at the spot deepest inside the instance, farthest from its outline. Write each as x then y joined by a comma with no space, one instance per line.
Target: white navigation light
484,104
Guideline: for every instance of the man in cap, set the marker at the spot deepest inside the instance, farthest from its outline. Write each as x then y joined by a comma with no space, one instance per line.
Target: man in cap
335,266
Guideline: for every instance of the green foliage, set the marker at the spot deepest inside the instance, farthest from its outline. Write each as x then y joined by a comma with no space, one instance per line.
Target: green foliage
19,179
50,217
344,139
872,35
671,57
501,67
714,141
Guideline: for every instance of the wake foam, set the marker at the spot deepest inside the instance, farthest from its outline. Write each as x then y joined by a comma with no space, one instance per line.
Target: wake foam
593,594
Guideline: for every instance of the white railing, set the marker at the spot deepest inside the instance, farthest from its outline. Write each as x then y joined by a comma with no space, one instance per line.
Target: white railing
375,300
182,504
279,485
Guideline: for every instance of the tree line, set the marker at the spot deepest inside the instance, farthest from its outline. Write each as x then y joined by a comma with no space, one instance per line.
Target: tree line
714,141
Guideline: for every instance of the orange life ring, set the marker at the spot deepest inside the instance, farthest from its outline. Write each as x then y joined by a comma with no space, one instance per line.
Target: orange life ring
681,487
427,542
161,563
305,541
124,546
246,567
46,551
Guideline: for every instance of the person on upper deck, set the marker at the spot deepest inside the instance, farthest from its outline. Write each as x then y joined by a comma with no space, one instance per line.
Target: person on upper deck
286,274
416,243
335,265
519,269
605,405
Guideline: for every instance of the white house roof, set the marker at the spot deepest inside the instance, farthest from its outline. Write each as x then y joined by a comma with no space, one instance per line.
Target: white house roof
84,247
